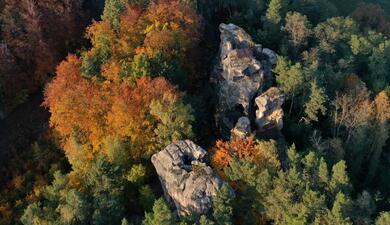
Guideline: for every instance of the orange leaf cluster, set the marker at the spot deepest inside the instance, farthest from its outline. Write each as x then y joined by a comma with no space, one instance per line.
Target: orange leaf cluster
262,153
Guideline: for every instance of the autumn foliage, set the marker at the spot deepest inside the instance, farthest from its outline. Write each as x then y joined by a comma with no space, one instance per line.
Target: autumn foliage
108,93
87,112
262,153
34,36
162,33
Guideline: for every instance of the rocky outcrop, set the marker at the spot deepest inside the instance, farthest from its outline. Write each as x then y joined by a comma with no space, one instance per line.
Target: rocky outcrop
243,72
242,128
269,113
186,178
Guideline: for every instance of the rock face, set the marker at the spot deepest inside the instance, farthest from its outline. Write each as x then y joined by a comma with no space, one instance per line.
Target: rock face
242,128
269,115
186,178
240,75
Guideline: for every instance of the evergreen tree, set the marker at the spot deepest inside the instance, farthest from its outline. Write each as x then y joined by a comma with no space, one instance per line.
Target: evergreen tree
339,180
222,206
341,210
275,11
175,120
161,214
289,78
203,220
112,11
124,222
316,103
147,197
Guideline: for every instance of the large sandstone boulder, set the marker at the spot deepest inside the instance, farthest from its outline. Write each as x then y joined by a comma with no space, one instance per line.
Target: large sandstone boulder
186,178
269,113
239,76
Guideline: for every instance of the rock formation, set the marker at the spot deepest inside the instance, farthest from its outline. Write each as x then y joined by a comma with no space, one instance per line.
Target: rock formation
186,178
242,128
269,115
243,72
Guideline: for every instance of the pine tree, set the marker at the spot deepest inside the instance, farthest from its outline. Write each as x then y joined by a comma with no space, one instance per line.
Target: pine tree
222,206
316,103
340,180
341,210
175,120
125,222
161,214
112,11
275,11
147,197
289,78
323,172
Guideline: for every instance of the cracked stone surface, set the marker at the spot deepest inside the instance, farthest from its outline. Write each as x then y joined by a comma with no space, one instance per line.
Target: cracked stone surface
242,71
269,115
242,128
186,178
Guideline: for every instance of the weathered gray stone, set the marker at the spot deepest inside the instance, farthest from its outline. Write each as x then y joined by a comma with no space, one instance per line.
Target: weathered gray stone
239,76
242,128
269,115
272,57
186,178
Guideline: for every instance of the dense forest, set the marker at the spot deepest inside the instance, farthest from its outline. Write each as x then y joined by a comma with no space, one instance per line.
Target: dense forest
96,95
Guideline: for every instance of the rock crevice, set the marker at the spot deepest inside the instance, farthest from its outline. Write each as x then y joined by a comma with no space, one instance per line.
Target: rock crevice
242,74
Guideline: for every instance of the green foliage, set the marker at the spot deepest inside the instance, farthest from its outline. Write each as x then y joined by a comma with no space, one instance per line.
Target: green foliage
342,207
92,62
222,206
379,64
339,180
176,119
169,68
302,193
383,218
290,78
316,10
140,67
316,104
100,203
275,11
317,53
136,174
161,214
158,65
333,34
74,208
112,11
147,197
298,28
203,220
124,222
